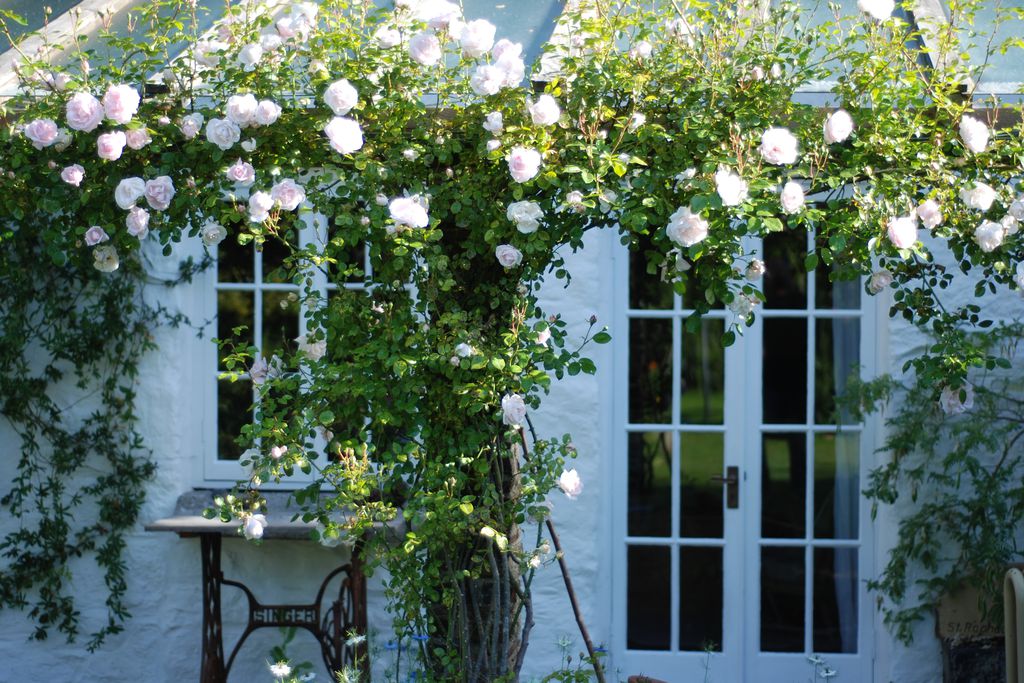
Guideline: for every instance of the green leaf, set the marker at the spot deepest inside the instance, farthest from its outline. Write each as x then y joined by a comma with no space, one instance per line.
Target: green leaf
467,508
602,338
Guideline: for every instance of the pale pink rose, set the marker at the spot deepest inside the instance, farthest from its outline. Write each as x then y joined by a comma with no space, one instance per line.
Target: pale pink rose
260,204
487,79
250,55
508,58
270,42
84,112
437,13
160,192
109,146
494,123
241,110
838,126
902,231
880,279
730,187
190,125
42,133
137,222
409,211
523,163
570,483
341,96
95,235
73,175
120,103
505,48
508,256
878,9
930,213
344,134
989,236
223,132
545,111
277,452
129,191
425,48
288,194
974,134
543,336
950,399
513,410
792,197
138,138
242,172
686,228
778,146
476,37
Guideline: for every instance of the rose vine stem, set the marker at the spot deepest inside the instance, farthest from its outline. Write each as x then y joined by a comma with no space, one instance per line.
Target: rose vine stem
560,554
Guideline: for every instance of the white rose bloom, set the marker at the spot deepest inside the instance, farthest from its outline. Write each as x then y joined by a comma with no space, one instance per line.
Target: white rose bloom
137,222
63,140
989,236
288,194
159,192
641,50
388,37
341,96
129,191
267,112
778,146
213,233
241,110
249,144
545,111
838,126
105,259
190,125
513,410
686,228
250,55
755,270
974,134
493,145
494,123
344,134
409,211
526,215
523,163
1010,225
508,256
476,37
878,9
205,52
1019,276
313,349
270,42
743,306
635,121
95,235
425,48
902,231
880,279
260,204
1017,208
730,187
950,399
792,197
979,196
570,483
508,58
930,214
487,79
223,132
436,13
679,29
252,528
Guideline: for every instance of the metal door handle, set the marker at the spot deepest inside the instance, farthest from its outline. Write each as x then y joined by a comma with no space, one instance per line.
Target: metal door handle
731,481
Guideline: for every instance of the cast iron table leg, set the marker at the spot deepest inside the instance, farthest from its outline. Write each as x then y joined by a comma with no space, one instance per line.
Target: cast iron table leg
212,670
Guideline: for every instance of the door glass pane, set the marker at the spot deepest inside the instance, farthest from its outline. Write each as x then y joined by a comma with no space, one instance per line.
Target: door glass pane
650,371
703,380
784,392
648,586
837,356
234,309
785,279
844,294
836,485
700,599
234,262
233,402
280,322
646,290
783,479
782,599
650,483
274,253
835,600
701,457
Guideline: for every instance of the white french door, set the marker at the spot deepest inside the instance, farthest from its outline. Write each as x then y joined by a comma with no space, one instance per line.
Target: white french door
740,539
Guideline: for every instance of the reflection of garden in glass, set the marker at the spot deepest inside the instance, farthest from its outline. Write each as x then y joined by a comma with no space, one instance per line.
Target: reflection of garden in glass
702,391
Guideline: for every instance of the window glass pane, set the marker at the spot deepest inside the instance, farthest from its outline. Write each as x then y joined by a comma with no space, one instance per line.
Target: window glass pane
784,372
783,479
648,586
701,457
785,279
837,356
233,402
782,599
646,290
274,253
836,485
835,600
703,380
280,322
650,483
234,309
700,599
650,371
234,262
843,294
